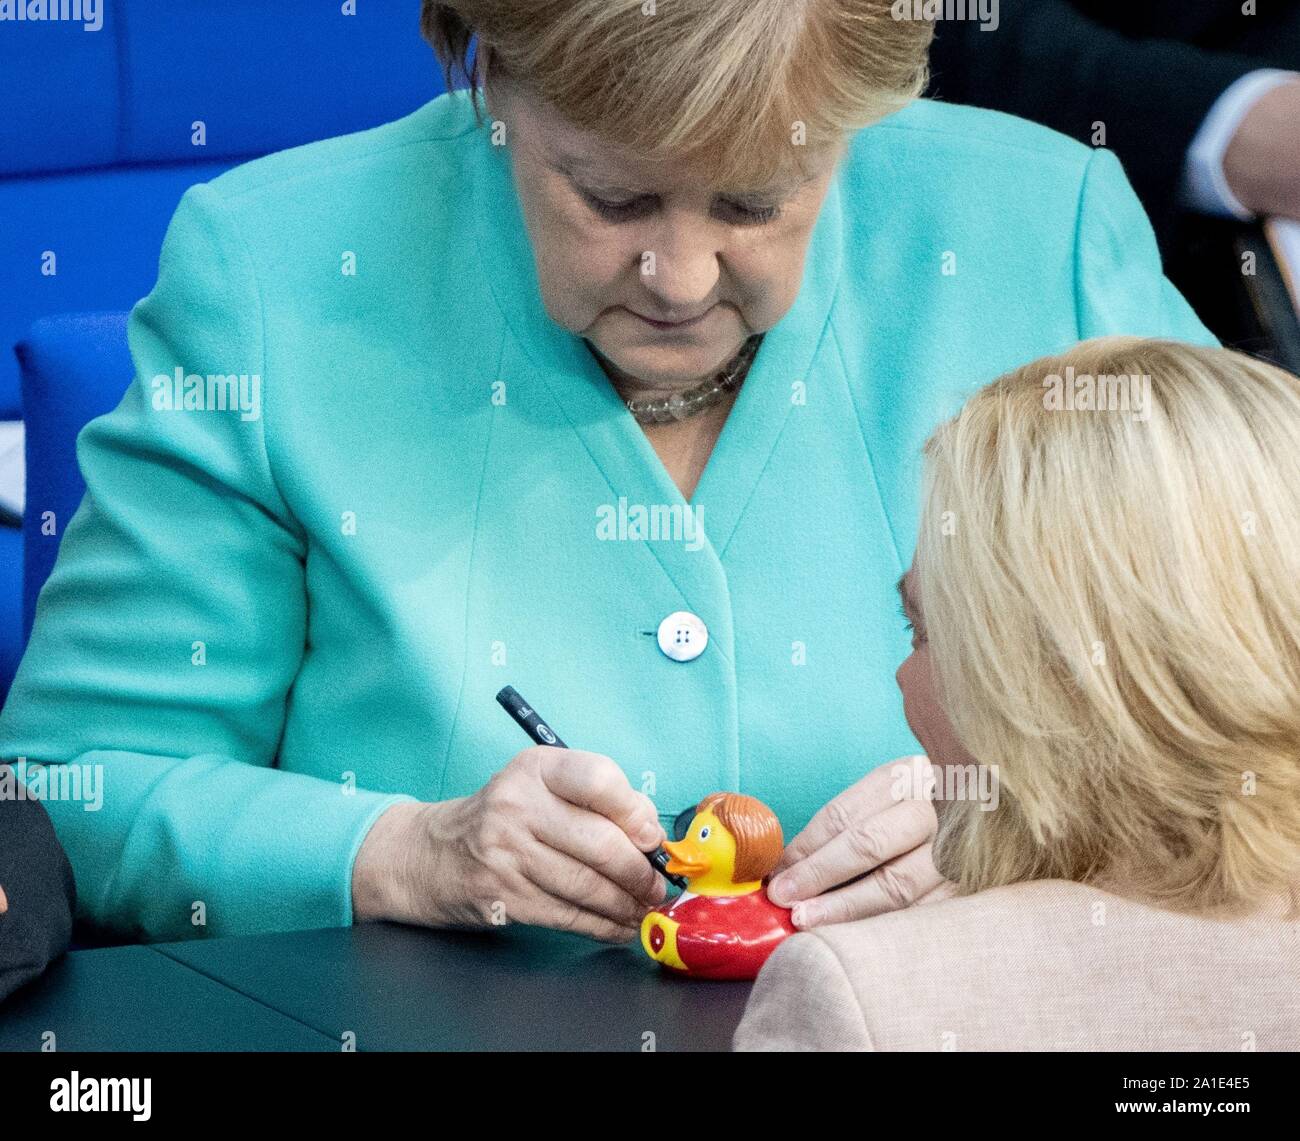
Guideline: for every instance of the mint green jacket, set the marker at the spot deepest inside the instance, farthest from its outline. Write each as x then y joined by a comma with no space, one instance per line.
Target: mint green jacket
268,623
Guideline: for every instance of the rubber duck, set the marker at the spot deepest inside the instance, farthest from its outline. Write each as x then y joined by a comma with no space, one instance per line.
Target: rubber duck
722,926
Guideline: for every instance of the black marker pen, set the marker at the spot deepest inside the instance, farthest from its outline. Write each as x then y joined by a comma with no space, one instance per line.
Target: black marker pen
542,734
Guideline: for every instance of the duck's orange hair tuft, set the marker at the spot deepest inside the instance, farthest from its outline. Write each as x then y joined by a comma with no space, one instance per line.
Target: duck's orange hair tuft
757,831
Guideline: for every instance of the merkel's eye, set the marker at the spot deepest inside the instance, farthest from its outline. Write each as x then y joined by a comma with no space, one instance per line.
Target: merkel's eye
615,211
704,832
753,215
628,209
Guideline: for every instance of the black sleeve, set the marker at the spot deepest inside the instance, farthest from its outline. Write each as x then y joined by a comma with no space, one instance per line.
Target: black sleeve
37,879
1049,62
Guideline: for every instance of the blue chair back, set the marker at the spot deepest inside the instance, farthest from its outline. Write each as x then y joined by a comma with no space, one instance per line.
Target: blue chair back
100,140
108,128
74,367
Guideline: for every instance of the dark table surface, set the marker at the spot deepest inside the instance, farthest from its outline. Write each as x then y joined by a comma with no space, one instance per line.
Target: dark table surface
132,998
391,987
402,988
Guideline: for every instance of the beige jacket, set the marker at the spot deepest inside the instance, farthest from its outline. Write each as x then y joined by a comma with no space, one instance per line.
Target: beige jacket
1040,966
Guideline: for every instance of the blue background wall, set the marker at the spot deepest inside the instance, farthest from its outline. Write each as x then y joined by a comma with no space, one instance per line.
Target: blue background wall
97,147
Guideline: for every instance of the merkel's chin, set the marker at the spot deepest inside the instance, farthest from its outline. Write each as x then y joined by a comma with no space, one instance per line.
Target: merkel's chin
665,363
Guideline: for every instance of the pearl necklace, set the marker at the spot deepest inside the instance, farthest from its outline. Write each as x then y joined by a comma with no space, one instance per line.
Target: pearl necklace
683,405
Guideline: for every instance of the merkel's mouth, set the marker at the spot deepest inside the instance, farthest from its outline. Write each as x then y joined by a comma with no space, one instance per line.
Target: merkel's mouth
673,325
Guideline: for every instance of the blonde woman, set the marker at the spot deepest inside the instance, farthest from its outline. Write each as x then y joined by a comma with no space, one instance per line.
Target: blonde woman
1105,603
605,382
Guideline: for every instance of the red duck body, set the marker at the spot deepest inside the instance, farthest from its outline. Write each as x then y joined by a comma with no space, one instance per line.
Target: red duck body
724,936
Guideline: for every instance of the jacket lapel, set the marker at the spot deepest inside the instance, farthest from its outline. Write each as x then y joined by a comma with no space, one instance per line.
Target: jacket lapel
609,434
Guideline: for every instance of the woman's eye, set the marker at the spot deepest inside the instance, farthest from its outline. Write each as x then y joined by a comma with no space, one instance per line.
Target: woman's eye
628,209
615,211
754,215
918,636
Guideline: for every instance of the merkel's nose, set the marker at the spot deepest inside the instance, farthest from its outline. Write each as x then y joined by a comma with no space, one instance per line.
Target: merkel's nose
683,274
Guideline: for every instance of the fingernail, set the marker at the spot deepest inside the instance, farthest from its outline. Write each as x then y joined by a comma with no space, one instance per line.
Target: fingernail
805,915
781,891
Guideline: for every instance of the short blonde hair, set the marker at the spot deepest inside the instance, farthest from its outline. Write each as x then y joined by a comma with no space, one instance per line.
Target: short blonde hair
1112,605
717,83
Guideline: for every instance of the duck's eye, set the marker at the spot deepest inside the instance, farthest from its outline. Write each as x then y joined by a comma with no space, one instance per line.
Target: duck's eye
704,832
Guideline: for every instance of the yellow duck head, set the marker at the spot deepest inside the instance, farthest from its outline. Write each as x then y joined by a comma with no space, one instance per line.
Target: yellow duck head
733,842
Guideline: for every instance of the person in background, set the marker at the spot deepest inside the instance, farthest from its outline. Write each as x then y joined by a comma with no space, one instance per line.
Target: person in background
37,894
1200,100
1105,609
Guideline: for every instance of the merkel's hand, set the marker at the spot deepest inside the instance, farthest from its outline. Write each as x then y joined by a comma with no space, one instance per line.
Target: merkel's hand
864,853
4,901
557,838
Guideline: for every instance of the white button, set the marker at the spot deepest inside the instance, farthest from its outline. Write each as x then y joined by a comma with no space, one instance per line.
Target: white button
682,636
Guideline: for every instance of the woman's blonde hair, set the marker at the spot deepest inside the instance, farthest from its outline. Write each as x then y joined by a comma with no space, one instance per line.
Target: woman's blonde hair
719,83
1112,605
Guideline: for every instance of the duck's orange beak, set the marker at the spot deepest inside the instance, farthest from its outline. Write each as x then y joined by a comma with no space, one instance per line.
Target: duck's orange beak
685,859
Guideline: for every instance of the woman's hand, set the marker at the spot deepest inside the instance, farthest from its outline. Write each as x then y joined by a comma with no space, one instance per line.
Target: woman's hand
556,839
1262,163
865,852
